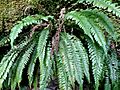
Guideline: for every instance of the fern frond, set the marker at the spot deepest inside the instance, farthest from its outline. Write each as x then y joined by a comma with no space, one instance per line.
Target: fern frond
22,63
42,43
32,66
7,61
111,7
84,56
89,27
5,67
102,19
25,22
81,21
67,60
97,58
62,75
41,48
45,70
76,59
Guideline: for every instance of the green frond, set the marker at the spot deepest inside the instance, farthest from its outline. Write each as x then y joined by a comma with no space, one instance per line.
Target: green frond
45,70
102,19
5,67
75,59
7,61
41,51
111,7
81,21
67,60
32,66
37,19
107,85
23,61
62,75
97,57
84,56
42,43
89,26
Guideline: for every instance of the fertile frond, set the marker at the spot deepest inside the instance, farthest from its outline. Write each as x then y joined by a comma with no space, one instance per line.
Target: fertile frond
25,22
89,26
111,7
97,58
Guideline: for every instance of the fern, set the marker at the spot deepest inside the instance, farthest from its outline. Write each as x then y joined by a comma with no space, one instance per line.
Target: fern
63,79
82,47
111,7
90,27
101,19
76,60
25,22
97,58
23,62
32,66
46,70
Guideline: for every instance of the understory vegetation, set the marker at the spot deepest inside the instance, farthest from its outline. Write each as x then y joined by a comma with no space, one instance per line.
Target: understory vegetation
70,45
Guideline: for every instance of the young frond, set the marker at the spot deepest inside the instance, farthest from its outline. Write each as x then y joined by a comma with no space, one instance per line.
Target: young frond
97,57
111,7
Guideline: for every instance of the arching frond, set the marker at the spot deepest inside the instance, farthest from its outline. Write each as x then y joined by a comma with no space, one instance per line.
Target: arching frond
97,57
41,51
26,22
111,7
89,26
102,20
